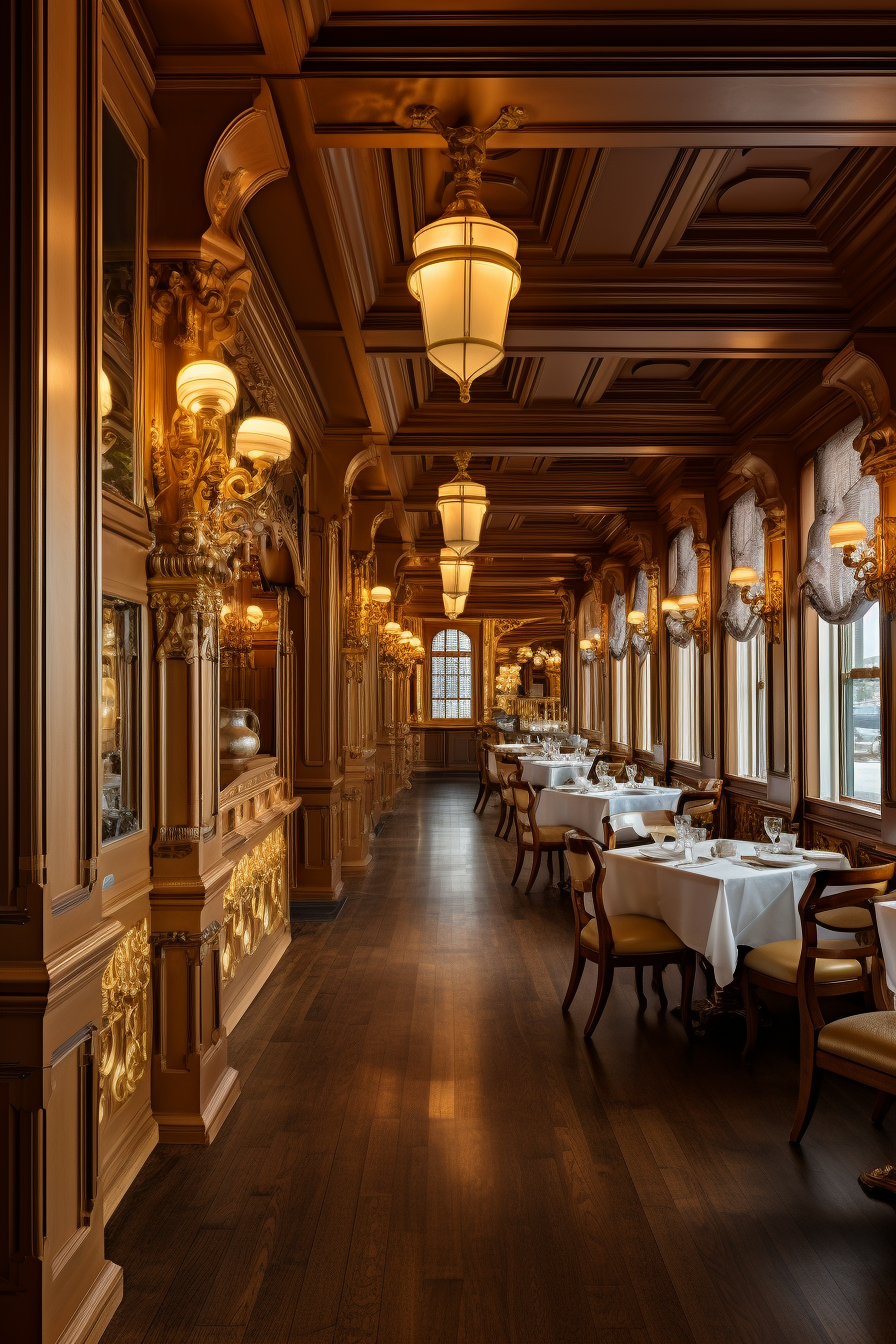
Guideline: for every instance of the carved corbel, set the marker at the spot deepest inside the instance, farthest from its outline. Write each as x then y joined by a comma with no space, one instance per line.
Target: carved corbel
757,473
860,375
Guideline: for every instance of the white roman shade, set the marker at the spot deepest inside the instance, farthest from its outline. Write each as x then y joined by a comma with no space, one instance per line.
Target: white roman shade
640,643
841,494
618,639
743,544
682,581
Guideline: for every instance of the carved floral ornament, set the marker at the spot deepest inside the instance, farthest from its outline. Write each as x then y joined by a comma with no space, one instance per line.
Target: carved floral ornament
122,1040
253,901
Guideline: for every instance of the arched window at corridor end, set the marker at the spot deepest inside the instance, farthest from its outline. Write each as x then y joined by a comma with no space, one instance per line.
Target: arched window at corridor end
451,675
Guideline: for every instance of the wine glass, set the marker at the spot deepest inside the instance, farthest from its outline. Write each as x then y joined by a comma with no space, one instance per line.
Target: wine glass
773,828
630,772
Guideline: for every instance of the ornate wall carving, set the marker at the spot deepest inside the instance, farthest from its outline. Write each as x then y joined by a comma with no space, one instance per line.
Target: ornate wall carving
254,901
122,1040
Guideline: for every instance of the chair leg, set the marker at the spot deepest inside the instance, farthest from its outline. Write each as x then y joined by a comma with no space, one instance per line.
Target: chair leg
882,1103
751,1013
601,994
551,866
578,966
810,1086
656,985
502,818
639,986
482,794
536,864
519,863
511,818
688,971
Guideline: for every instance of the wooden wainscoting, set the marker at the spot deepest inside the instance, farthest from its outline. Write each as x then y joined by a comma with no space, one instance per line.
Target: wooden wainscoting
439,749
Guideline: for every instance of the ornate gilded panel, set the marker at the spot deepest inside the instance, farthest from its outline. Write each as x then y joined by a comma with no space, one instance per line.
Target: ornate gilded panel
122,1042
253,901
833,844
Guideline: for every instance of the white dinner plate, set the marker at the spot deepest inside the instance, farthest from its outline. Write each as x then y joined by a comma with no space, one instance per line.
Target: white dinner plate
658,854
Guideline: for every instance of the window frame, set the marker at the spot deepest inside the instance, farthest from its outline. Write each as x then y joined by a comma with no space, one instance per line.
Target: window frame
455,655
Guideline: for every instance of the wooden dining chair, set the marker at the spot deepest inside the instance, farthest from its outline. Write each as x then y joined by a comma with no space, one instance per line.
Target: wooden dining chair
619,940
625,829
863,1046
701,807
488,783
532,838
510,771
775,966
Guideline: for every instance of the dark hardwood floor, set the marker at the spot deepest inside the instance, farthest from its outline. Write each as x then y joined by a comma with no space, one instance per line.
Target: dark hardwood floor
426,1151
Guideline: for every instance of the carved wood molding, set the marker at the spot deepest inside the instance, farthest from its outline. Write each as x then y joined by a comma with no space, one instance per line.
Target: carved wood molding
249,154
860,375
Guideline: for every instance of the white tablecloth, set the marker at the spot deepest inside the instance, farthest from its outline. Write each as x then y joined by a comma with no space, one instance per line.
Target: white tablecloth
886,927
715,908
546,773
586,811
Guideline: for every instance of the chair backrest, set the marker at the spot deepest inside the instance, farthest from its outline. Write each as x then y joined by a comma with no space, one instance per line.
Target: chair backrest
482,762
832,900
586,873
631,828
509,771
525,800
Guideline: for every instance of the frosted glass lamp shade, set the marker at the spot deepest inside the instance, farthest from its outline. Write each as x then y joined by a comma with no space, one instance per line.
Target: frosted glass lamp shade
454,606
261,438
670,605
851,533
464,275
405,637
462,506
690,602
456,573
105,394
584,643
744,576
381,594
254,615
636,618
391,628
206,387
416,642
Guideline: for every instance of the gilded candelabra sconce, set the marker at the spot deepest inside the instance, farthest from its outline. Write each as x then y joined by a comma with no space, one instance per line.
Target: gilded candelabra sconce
764,597
594,645
689,620
365,608
873,561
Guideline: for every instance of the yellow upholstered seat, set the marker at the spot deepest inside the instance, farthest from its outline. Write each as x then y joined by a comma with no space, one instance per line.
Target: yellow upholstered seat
780,961
548,835
866,1038
634,935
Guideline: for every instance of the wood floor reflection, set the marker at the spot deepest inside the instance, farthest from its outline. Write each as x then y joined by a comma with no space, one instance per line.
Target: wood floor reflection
425,1150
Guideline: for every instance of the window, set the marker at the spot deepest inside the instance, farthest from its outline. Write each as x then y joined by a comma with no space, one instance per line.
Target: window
745,709
684,703
644,704
849,710
620,699
451,675
119,721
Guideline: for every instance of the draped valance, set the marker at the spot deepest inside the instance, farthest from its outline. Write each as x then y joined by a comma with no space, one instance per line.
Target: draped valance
743,543
618,631
841,494
640,643
682,581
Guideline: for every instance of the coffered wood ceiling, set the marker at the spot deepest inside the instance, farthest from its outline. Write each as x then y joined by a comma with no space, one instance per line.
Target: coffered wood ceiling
705,206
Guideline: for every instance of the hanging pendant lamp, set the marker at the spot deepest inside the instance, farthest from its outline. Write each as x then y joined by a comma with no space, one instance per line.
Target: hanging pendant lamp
454,606
462,506
465,273
456,573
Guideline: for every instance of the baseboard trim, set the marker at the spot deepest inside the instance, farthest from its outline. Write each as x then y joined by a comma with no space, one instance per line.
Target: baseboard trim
316,912
122,1164
202,1129
97,1307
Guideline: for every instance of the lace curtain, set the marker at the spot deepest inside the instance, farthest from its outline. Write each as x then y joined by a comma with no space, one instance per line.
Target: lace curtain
743,543
640,644
682,580
618,641
841,493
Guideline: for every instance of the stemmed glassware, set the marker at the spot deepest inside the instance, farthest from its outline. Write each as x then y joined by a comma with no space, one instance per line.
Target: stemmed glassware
630,773
773,828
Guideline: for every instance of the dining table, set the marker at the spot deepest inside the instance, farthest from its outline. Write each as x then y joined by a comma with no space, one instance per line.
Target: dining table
541,772
586,811
714,905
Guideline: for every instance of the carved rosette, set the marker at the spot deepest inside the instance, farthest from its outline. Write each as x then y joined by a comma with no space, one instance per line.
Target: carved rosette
122,1040
254,901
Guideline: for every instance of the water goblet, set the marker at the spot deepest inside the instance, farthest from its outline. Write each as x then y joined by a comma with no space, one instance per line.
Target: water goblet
630,773
773,828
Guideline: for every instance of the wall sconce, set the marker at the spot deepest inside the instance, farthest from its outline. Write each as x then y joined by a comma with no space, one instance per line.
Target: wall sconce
524,654
554,660
587,651
874,562
255,616
642,623
768,603
690,619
